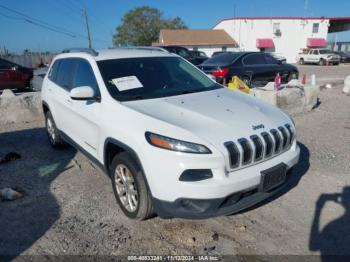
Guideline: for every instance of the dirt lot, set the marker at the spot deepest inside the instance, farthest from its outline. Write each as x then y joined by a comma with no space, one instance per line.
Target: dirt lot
69,207
325,74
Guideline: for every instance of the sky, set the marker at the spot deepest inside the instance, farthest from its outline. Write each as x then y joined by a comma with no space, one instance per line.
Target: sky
105,15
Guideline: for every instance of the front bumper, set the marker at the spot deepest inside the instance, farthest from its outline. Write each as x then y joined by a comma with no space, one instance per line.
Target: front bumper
206,208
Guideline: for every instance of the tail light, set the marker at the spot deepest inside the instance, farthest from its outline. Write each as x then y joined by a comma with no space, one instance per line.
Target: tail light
222,72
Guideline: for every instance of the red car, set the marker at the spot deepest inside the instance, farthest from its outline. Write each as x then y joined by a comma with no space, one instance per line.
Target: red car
13,76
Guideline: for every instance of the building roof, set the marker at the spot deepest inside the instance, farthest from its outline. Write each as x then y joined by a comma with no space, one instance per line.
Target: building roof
337,24
205,37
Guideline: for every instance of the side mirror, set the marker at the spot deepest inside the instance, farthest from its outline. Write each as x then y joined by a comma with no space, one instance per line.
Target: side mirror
82,93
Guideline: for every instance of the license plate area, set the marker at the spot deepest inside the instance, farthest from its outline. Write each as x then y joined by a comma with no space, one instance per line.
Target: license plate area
273,177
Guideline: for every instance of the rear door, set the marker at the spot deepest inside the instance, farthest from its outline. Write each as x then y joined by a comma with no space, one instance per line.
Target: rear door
255,66
4,74
313,56
61,101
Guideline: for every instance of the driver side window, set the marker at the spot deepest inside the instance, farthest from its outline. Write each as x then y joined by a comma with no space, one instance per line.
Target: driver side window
84,76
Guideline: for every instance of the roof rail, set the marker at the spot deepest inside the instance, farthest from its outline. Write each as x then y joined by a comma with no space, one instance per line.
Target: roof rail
81,50
149,48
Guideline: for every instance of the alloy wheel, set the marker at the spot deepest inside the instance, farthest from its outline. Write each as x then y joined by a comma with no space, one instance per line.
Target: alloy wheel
126,188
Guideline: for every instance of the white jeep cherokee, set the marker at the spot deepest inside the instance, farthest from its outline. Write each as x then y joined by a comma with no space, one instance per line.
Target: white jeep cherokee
173,141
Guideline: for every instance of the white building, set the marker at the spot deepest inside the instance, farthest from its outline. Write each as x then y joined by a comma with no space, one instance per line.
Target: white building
285,36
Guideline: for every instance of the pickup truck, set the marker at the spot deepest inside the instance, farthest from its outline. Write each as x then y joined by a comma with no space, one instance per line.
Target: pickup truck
318,56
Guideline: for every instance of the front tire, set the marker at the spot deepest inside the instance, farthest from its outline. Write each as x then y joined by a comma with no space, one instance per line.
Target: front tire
322,62
52,132
130,188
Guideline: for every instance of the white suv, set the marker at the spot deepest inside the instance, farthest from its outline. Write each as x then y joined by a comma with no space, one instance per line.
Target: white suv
173,141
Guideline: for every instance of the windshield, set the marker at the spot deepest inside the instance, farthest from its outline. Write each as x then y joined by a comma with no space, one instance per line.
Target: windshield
152,77
325,51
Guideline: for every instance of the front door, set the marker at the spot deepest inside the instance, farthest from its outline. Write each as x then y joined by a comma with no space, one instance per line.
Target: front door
85,113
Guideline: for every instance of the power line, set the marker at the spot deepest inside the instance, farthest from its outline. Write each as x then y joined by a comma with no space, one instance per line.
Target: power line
43,24
35,19
37,24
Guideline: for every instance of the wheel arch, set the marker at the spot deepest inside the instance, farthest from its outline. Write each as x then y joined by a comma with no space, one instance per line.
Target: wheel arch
112,147
45,107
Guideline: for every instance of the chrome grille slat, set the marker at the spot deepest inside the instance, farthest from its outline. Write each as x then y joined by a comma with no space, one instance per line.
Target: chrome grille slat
277,138
285,136
259,147
291,134
247,151
234,154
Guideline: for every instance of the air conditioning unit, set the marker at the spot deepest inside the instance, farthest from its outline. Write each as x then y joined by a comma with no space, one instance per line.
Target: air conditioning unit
277,32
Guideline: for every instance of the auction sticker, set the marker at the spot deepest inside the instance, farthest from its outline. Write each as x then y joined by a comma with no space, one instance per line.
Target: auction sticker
127,83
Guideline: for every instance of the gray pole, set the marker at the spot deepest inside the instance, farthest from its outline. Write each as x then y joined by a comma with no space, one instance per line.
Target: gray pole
87,27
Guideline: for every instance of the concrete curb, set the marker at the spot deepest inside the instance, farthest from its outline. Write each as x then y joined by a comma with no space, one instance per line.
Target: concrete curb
24,107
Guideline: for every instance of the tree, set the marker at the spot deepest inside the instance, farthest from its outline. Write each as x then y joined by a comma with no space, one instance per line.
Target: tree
141,26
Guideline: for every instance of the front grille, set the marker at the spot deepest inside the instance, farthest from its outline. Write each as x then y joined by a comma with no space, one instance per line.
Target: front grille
258,147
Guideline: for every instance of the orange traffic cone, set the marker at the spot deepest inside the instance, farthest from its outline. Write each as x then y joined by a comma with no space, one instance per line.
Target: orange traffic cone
303,80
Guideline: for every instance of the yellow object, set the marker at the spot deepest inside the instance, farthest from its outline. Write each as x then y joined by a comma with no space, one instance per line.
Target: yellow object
238,84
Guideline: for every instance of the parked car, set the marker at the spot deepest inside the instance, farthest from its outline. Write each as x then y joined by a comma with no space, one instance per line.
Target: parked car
200,56
344,57
173,141
38,77
318,56
14,76
254,68
183,52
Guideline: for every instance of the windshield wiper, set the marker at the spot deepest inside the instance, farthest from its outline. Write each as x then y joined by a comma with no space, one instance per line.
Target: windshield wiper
130,97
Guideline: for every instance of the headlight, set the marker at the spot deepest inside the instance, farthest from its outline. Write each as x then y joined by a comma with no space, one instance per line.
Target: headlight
175,145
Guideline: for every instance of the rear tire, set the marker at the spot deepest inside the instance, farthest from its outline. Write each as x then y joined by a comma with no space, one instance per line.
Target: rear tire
130,188
301,61
53,134
322,62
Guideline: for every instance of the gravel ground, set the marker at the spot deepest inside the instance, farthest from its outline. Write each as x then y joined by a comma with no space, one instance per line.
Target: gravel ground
69,207
325,74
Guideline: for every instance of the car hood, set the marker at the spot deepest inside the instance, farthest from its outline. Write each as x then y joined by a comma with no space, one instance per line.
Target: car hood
215,116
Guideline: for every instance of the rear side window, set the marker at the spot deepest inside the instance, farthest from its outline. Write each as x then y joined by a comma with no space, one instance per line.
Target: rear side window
254,59
53,70
270,60
84,76
223,59
65,73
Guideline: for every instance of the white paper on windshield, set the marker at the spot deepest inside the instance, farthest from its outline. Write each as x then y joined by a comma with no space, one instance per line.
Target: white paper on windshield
127,83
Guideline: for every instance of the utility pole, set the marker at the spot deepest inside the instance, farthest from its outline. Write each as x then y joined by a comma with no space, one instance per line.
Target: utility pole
306,3
87,27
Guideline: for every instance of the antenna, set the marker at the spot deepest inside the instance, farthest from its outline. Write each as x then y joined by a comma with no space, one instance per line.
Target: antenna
87,27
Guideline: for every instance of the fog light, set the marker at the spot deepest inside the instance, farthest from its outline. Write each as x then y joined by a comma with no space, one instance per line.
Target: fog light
192,175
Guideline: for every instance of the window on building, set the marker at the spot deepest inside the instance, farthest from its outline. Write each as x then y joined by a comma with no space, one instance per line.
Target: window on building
315,28
276,29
